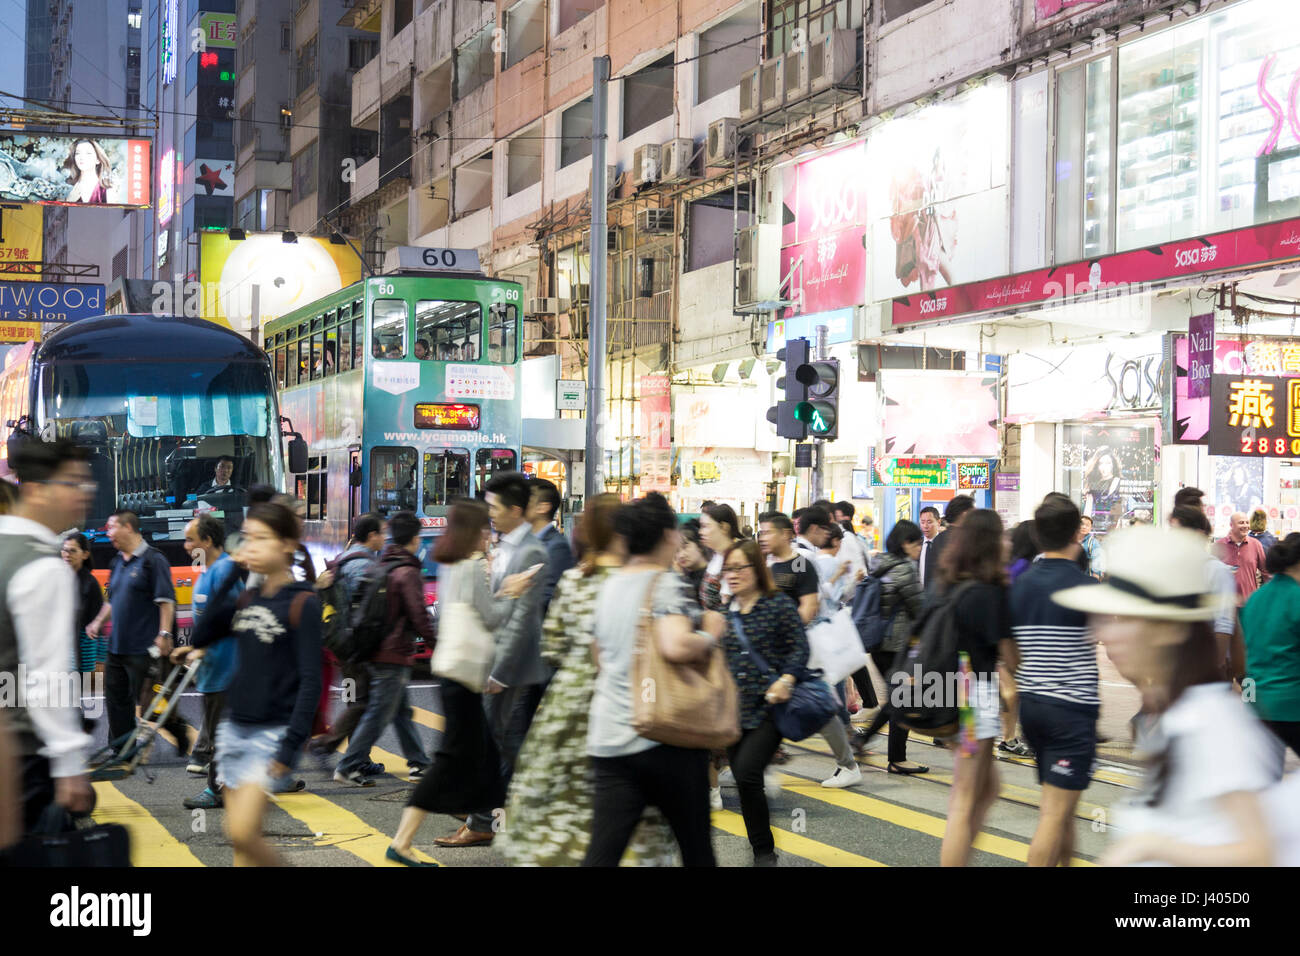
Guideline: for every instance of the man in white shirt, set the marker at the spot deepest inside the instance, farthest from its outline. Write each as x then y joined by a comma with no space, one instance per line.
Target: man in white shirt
39,594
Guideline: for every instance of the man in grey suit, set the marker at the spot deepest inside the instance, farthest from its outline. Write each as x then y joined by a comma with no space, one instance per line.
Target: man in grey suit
517,666
543,504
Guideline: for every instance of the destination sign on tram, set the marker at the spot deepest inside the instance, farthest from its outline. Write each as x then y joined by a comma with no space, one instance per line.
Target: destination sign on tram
446,416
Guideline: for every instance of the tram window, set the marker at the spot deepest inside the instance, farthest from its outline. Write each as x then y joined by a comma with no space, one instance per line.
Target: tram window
290,353
389,329
304,359
502,322
446,476
317,488
317,356
279,366
489,462
345,346
450,331
331,351
358,343
392,479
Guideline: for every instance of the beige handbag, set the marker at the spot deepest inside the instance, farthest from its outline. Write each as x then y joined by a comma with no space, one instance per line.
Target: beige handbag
692,705
465,648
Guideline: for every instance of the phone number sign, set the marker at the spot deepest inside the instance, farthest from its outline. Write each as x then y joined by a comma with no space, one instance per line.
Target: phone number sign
1255,416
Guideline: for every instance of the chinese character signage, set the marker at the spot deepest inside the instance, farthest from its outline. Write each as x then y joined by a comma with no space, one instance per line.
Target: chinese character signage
219,29
656,433
1255,415
22,240
825,214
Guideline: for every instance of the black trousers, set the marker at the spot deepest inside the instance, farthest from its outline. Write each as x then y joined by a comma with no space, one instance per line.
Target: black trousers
749,757
1288,731
884,661
205,746
124,677
673,779
38,790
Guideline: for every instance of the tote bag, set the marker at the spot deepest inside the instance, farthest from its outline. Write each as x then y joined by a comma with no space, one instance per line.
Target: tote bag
465,648
836,648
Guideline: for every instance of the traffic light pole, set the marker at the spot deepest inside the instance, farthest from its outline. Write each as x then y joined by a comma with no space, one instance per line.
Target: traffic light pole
816,478
594,456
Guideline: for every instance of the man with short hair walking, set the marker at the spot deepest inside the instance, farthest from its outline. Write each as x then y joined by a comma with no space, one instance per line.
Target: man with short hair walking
1245,556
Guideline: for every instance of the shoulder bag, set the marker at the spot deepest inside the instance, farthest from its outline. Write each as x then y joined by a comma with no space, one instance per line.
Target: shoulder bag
465,648
692,705
811,705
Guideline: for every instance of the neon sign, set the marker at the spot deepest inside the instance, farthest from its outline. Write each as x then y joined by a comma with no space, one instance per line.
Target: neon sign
1280,116
166,187
171,20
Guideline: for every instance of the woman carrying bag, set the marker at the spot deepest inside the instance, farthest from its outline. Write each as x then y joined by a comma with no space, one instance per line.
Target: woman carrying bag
466,772
548,812
764,623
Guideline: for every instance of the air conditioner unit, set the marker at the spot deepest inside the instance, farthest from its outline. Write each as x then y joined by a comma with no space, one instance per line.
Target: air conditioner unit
771,84
831,58
796,76
720,145
611,181
677,155
758,263
654,222
646,164
750,101
547,306
581,294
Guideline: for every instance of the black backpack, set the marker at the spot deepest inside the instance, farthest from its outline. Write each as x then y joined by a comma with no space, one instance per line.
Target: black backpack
357,640
929,659
336,604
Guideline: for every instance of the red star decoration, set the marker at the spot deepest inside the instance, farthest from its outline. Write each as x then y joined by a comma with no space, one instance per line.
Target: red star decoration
210,179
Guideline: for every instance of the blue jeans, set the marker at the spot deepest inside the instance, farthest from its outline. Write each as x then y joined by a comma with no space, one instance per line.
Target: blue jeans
388,704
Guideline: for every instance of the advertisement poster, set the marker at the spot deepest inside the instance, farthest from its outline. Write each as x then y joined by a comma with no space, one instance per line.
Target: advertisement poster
972,476
1084,381
656,433
1238,486
823,220
22,239
724,474
1046,9
1006,497
273,277
910,472
1111,472
939,413
60,168
939,194
1263,355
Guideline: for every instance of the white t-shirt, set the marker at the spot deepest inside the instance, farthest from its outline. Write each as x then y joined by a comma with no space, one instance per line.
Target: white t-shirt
1218,748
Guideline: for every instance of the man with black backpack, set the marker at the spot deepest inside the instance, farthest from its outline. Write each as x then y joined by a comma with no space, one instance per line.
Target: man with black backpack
390,612
338,584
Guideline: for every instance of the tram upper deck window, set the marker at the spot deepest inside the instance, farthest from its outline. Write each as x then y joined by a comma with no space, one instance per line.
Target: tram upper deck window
392,479
502,322
345,346
448,331
279,366
388,328
446,476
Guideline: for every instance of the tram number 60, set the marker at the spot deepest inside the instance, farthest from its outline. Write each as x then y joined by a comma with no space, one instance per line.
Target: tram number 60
440,257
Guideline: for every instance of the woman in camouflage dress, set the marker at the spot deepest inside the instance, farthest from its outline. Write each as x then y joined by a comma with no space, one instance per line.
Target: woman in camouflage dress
549,808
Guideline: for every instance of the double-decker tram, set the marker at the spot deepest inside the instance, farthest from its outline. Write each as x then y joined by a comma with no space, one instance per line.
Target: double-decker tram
406,388
179,416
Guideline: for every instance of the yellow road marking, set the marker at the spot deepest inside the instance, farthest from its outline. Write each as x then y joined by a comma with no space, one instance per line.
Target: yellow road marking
905,817
152,844
793,843
428,718
341,828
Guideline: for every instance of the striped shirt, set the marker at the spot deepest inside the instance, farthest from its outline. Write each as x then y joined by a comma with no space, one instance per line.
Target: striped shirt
1057,658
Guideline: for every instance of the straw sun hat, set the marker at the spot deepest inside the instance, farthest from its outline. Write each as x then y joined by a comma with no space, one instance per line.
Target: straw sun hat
1156,573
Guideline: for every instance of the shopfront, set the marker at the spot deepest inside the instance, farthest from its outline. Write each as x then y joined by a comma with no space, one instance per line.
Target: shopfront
1090,428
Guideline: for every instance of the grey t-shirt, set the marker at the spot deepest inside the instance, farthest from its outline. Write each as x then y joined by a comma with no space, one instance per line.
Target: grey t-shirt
617,614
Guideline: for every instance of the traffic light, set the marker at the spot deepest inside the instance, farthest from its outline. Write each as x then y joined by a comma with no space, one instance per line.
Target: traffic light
782,414
819,410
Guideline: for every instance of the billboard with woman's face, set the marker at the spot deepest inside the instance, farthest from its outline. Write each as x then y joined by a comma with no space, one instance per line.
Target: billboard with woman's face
67,169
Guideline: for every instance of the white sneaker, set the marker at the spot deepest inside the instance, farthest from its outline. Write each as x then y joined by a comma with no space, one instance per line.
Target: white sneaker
715,798
726,778
843,777
771,785
864,715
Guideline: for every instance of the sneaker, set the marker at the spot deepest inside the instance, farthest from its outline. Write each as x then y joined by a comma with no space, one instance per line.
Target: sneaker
1016,747
373,770
771,786
858,740
288,785
843,777
205,800
715,798
416,771
864,716
197,768
726,778
353,778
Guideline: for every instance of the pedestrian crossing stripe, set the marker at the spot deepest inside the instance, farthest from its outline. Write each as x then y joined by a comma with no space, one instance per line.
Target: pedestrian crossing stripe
151,843
341,828
794,843
428,718
906,817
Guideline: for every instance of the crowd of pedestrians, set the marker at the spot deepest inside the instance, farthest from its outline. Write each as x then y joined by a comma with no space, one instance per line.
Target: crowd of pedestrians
547,751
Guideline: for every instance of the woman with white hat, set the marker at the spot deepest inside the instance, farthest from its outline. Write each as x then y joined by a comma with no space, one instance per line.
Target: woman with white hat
1211,759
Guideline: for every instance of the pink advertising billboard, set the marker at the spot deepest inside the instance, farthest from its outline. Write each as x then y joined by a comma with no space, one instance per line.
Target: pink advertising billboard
939,413
824,216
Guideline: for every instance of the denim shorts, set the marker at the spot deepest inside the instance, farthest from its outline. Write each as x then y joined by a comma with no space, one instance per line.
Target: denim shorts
245,752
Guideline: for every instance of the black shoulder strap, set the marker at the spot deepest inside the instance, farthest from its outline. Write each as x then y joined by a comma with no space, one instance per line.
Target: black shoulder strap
246,598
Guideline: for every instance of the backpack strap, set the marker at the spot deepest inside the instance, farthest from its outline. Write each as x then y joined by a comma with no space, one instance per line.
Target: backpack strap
295,609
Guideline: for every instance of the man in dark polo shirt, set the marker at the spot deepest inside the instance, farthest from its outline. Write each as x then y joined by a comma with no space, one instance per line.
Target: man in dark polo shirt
142,606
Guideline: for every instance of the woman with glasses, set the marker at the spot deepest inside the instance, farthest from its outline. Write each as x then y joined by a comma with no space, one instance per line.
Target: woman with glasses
771,626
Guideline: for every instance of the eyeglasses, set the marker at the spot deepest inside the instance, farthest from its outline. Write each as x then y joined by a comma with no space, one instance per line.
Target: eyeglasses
735,568
85,487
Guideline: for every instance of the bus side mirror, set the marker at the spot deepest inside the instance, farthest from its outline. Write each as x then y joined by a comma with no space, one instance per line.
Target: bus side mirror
297,456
